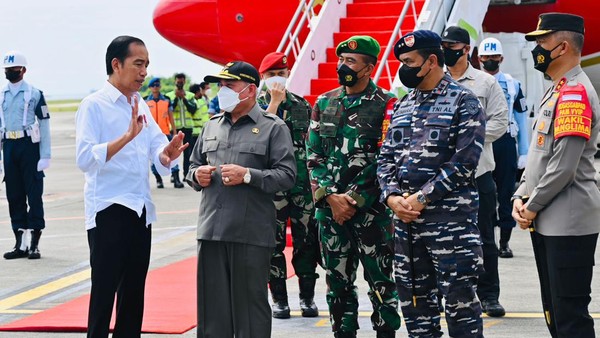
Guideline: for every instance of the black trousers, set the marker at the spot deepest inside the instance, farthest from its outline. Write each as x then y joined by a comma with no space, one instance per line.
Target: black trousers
232,290
565,266
187,138
505,175
24,184
119,256
488,285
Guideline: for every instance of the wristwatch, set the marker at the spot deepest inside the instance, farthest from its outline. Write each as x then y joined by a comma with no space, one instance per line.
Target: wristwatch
247,177
515,197
421,198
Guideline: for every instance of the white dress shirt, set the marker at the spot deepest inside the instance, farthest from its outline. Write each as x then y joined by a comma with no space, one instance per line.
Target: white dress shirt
103,117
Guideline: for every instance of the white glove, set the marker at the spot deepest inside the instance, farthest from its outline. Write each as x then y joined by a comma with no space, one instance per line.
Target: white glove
43,164
522,161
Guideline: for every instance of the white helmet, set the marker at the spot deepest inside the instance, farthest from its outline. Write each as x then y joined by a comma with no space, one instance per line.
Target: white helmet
14,59
490,46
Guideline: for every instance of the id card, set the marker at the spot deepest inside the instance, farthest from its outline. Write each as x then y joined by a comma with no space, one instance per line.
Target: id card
35,133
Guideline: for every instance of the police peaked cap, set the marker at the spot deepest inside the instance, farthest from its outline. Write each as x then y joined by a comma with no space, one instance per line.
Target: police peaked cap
360,44
552,22
236,70
420,39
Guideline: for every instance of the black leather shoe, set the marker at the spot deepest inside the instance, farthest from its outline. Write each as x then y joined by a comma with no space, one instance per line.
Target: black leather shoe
505,252
16,253
386,334
160,185
34,254
344,334
492,308
308,308
281,310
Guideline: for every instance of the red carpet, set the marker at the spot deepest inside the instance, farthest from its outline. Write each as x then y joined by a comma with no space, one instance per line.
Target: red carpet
170,304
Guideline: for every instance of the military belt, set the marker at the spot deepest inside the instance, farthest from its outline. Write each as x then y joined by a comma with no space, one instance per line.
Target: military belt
15,134
360,201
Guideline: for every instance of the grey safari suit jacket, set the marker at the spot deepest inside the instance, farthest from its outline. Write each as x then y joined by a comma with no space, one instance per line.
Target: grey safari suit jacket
559,175
243,213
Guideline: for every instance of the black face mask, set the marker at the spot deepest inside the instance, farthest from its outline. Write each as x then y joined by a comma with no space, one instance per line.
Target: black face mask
408,75
451,56
348,76
12,75
179,86
542,58
491,65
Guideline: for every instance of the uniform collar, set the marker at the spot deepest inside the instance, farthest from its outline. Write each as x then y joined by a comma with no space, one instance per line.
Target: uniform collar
114,94
469,73
253,114
573,72
439,89
21,85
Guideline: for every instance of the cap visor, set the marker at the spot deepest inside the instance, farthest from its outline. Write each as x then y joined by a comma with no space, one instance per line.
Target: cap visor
531,36
218,78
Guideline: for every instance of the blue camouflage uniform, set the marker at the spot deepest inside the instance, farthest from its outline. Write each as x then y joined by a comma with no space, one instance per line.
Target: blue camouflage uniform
433,144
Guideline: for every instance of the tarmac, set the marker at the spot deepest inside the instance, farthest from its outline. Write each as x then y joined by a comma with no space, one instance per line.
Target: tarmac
30,286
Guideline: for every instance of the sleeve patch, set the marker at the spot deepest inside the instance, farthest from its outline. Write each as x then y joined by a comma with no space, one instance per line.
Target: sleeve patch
45,112
573,113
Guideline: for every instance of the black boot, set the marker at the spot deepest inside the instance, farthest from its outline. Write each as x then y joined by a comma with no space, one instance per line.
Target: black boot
344,334
386,334
176,182
307,295
159,182
17,251
505,251
34,251
280,306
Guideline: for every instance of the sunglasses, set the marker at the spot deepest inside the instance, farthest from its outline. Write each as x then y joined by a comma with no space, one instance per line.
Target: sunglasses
155,85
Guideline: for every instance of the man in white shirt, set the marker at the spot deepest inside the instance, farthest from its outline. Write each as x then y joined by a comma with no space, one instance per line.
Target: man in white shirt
116,137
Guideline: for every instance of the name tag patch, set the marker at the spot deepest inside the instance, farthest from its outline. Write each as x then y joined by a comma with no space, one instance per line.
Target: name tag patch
573,113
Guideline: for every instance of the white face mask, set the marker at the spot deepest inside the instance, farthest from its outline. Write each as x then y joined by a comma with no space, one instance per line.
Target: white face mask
229,98
275,79
208,92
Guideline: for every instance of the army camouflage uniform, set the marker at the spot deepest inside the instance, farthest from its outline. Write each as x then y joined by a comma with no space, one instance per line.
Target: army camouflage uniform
342,147
433,145
295,204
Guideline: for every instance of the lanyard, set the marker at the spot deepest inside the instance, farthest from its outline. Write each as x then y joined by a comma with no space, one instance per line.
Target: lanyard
26,97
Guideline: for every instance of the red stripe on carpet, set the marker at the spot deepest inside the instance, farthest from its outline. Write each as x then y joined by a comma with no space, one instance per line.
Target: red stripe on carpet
170,304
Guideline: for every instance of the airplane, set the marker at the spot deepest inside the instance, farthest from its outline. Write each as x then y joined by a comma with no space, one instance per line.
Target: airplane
221,31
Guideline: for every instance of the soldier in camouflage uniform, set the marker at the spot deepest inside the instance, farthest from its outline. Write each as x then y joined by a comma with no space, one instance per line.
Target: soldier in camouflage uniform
295,204
342,146
426,171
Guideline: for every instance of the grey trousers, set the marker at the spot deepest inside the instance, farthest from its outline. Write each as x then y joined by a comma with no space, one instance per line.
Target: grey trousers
232,290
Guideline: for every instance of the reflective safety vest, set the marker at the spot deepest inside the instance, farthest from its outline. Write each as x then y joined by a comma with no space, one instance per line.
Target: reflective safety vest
183,118
160,112
201,116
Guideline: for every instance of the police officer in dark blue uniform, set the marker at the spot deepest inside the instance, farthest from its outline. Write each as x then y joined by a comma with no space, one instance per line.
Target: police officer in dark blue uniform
25,138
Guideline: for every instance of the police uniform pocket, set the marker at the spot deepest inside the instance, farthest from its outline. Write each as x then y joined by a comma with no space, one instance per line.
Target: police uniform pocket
543,137
209,149
574,274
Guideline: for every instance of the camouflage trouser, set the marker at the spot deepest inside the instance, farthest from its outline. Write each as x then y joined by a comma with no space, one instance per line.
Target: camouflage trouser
447,257
341,263
299,210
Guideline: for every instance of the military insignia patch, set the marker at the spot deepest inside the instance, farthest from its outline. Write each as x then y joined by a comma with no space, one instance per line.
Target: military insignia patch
284,60
255,130
352,44
540,140
409,40
542,125
573,113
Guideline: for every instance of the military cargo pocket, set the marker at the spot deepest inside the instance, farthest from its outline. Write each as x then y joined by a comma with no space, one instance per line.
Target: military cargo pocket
437,132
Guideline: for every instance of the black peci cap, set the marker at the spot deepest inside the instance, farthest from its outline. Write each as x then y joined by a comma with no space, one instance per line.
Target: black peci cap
552,22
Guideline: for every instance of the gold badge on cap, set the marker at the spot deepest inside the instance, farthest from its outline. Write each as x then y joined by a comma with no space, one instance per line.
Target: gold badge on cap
352,44
284,60
255,130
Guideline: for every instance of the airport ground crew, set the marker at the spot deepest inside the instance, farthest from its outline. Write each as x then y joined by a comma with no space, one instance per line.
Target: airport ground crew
162,112
510,150
342,147
201,116
25,141
426,170
184,108
296,204
456,45
564,202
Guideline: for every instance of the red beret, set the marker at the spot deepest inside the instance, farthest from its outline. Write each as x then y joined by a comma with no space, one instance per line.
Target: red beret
273,60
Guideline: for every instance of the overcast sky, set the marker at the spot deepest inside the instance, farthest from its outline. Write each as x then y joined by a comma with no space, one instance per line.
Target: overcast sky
65,42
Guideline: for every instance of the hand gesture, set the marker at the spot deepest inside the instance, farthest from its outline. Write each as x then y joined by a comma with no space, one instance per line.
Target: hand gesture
342,207
137,121
180,93
232,174
204,174
403,208
523,222
277,93
173,149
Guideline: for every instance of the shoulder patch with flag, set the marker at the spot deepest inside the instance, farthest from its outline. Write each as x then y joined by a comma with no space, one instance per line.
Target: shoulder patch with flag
573,113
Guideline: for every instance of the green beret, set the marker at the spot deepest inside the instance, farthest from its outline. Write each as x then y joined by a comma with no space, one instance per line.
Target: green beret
360,44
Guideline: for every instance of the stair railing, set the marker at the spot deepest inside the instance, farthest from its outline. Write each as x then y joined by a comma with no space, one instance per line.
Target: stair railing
305,11
390,46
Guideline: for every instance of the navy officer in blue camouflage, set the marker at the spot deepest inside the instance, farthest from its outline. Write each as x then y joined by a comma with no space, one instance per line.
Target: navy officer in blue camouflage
426,171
